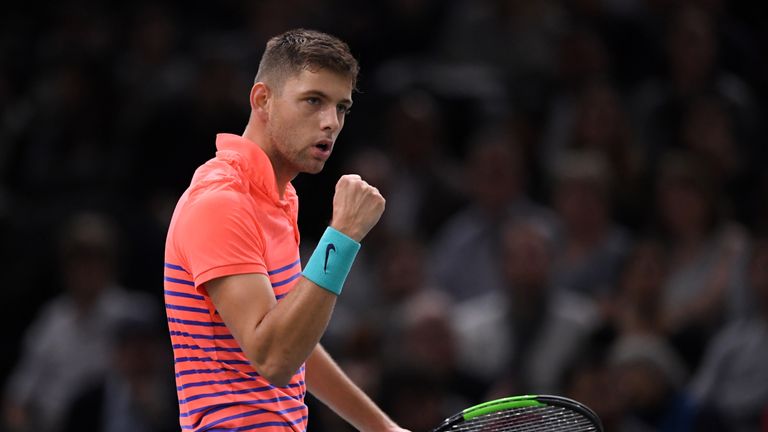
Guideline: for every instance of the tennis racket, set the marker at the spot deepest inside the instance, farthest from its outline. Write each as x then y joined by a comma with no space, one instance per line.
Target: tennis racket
528,413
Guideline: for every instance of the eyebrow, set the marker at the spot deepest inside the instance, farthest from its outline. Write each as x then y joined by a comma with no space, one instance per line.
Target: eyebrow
322,95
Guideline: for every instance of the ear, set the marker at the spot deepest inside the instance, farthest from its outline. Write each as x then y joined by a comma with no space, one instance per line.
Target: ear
261,97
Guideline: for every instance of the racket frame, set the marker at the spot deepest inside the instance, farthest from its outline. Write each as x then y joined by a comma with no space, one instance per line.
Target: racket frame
514,402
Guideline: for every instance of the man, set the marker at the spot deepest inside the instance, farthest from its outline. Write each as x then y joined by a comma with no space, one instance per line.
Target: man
244,319
530,324
66,348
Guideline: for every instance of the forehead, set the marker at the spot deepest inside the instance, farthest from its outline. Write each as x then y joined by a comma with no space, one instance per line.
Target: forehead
332,84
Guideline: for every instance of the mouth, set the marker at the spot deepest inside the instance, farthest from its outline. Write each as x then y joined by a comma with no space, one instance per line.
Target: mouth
324,147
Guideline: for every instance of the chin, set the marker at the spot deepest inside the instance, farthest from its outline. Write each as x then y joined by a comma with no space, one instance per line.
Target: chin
314,168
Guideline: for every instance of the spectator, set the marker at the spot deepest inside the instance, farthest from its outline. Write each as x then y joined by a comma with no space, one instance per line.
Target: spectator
731,386
592,246
649,377
637,307
706,253
136,394
67,347
423,190
588,380
465,253
708,130
474,31
582,62
523,337
693,68
599,123
401,285
424,366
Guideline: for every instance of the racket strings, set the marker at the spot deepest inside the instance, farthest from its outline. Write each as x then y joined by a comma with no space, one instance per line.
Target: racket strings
529,419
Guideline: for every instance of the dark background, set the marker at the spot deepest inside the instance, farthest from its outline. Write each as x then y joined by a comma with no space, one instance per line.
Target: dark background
111,107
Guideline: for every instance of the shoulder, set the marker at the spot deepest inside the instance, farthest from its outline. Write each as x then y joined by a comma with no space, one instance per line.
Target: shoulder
210,212
224,173
734,334
121,303
214,197
53,316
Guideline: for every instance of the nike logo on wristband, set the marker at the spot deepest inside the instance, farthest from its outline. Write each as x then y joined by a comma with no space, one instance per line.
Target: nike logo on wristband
328,250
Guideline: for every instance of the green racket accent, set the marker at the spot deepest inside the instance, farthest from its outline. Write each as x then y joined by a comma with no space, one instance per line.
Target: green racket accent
501,404
527,413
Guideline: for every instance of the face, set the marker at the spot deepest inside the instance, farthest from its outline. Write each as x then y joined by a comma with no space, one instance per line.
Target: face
645,273
526,258
581,204
305,118
683,208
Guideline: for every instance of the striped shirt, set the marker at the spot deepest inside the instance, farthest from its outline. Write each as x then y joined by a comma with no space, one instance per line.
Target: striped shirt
230,220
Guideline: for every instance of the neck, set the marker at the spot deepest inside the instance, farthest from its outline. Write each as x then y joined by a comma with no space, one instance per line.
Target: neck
257,134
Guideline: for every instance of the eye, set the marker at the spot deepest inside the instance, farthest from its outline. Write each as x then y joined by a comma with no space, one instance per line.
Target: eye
343,109
313,100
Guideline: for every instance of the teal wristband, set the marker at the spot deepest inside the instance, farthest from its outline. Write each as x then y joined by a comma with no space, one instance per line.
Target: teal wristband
329,264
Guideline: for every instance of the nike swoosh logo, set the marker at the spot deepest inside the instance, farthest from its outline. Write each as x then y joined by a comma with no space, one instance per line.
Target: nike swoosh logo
328,250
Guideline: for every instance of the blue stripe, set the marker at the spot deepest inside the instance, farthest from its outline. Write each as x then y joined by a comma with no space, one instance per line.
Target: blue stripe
210,371
204,383
206,349
225,392
235,362
178,281
191,359
285,281
210,409
208,359
196,323
262,425
284,268
182,294
202,336
176,267
200,371
280,296
218,407
185,308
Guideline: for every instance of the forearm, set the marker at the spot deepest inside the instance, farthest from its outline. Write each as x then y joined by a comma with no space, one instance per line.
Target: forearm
294,326
288,333
327,382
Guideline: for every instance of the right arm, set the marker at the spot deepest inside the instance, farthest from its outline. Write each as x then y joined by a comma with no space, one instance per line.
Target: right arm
278,337
275,337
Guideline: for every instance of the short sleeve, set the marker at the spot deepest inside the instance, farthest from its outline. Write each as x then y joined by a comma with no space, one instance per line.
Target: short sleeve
219,236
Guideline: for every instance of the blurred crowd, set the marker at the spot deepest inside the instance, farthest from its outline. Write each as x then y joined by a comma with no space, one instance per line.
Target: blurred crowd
576,203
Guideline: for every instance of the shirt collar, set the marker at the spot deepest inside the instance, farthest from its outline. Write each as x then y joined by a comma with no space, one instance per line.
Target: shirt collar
258,166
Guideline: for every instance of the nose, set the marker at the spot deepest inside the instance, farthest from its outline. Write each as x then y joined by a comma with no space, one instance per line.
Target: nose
330,119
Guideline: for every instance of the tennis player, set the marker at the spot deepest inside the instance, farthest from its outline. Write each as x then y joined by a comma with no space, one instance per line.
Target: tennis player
244,318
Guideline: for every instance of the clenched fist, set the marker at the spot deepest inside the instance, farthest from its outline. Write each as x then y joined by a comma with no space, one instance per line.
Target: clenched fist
357,207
